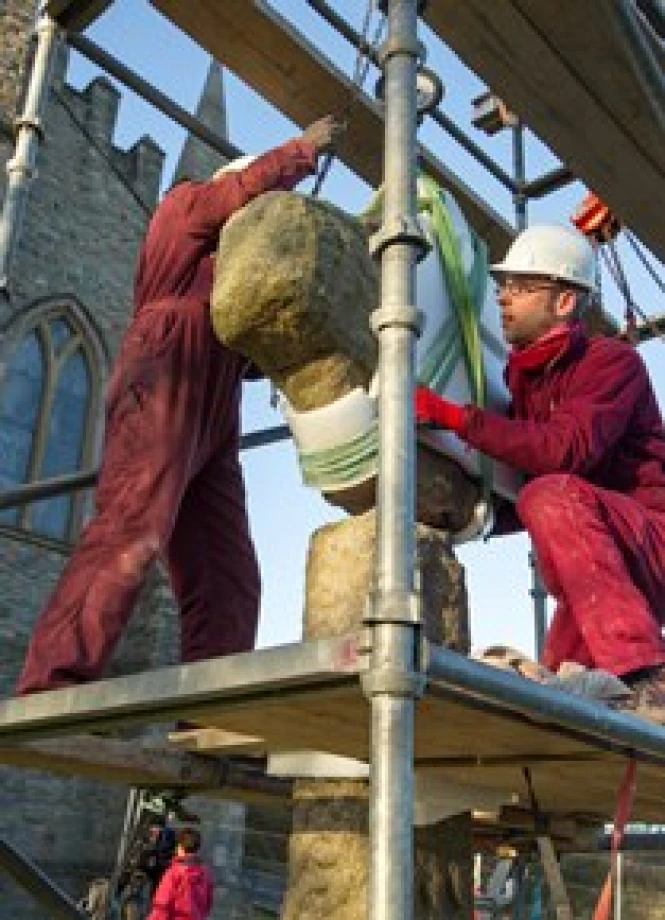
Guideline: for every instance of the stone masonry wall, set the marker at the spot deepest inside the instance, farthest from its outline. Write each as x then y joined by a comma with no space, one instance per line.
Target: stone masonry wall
16,18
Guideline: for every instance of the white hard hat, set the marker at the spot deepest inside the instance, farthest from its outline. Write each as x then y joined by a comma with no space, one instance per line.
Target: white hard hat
235,165
552,250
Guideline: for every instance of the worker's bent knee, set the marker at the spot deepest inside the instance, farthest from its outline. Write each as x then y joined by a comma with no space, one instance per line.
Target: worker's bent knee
548,497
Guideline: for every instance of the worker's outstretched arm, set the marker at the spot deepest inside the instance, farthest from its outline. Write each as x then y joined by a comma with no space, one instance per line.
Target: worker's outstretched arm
185,227
579,432
281,168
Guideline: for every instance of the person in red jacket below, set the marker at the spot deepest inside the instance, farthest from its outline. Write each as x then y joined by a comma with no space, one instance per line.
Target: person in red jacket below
185,891
585,428
170,483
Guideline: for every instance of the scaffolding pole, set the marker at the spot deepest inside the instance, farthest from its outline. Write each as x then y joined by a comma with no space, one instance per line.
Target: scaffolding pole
72,482
44,891
21,169
447,124
520,201
393,681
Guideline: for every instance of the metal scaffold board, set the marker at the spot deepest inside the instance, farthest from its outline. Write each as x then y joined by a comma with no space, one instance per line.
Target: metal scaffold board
475,725
566,69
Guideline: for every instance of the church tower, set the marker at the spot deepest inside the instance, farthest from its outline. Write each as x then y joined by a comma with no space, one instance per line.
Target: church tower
198,160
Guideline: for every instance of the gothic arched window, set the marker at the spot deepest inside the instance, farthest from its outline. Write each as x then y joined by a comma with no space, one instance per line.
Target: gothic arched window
48,409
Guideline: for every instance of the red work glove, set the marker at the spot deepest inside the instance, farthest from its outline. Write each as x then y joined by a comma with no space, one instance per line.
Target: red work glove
433,410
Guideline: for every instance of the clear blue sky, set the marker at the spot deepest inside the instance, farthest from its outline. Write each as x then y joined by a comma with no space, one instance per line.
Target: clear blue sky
283,512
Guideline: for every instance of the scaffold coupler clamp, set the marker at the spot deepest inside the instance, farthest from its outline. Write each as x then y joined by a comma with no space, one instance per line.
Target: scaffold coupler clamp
401,608
383,6
33,122
405,315
387,681
392,607
401,229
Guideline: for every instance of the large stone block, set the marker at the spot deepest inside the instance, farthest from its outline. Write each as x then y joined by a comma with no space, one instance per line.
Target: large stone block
294,289
445,495
340,570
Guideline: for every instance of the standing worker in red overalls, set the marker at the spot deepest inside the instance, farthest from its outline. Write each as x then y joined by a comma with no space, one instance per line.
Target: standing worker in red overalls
170,482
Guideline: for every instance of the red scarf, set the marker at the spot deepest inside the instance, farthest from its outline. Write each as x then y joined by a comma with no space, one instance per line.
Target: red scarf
538,354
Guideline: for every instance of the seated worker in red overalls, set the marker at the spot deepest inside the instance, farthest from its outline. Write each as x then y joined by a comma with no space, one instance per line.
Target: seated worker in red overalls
585,427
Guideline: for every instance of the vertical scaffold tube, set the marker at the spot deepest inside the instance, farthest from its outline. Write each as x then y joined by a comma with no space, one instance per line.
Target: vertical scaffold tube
537,591
393,681
21,167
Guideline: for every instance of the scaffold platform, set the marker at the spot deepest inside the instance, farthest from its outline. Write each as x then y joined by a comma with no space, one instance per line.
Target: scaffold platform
475,725
588,78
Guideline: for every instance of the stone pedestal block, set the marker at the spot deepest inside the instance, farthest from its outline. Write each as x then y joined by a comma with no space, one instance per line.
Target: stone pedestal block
328,852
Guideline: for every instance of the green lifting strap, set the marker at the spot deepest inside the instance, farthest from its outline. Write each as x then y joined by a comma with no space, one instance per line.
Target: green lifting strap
458,338
346,464
467,299
460,333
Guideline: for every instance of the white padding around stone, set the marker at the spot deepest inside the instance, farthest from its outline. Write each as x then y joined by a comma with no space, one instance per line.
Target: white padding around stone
329,426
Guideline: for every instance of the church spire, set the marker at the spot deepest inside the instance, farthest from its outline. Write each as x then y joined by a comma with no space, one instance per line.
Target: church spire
198,160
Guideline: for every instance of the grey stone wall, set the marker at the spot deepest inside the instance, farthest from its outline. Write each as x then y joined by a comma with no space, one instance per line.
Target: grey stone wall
86,211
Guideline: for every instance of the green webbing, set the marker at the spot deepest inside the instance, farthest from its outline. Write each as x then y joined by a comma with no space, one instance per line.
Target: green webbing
457,339
343,465
467,298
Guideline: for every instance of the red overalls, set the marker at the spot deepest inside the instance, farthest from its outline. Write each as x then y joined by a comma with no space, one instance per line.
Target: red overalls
170,482
587,430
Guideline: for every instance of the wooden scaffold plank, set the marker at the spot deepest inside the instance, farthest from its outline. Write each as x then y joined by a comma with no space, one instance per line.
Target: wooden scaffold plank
566,69
265,51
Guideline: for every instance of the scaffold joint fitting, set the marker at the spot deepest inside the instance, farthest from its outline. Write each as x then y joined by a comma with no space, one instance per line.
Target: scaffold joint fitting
18,167
401,229
32,122
401,45
407,316
392,607
393,682
383,6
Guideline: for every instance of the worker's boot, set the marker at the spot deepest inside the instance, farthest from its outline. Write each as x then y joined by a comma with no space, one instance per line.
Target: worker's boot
647,697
